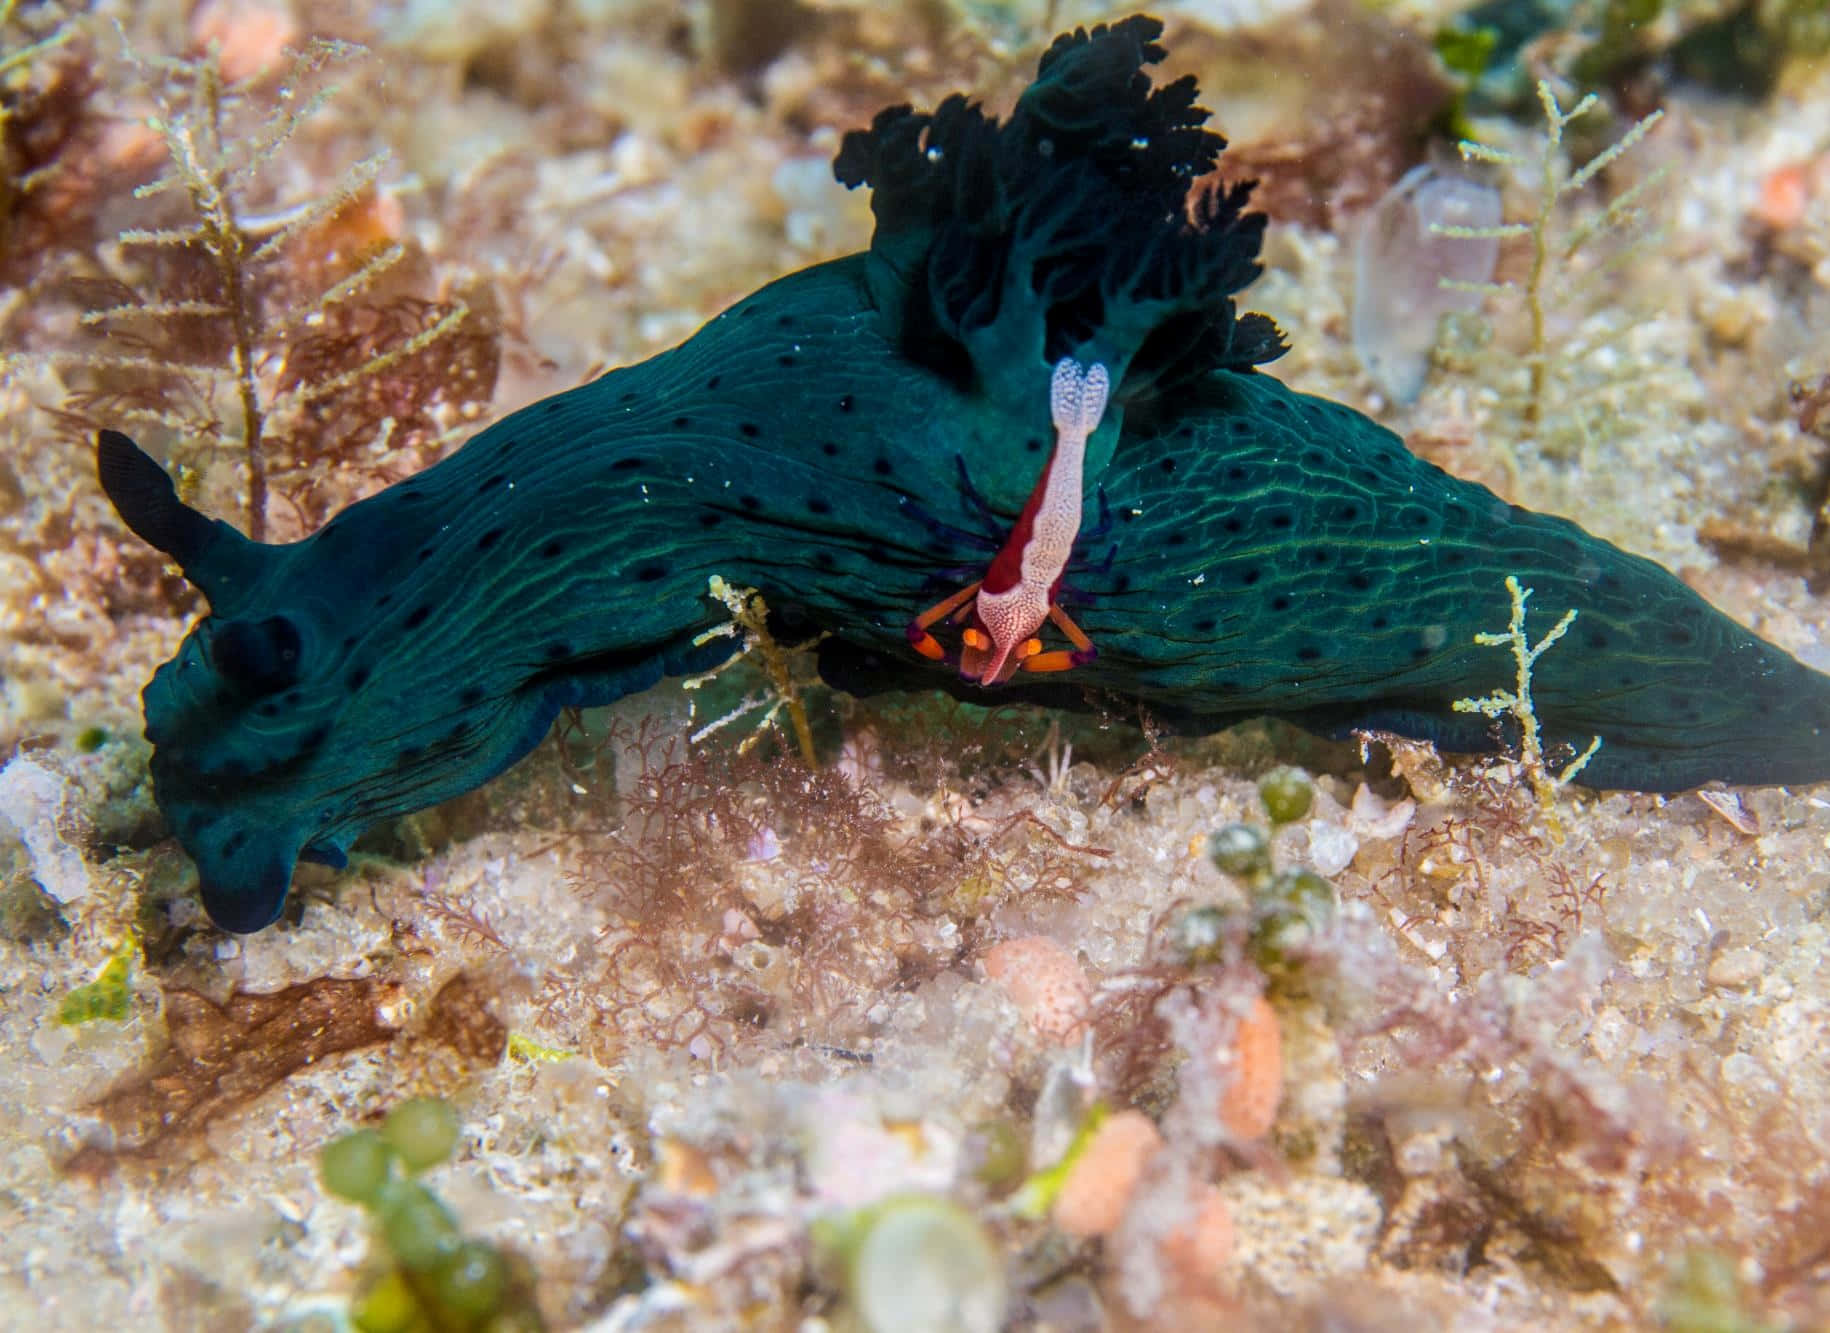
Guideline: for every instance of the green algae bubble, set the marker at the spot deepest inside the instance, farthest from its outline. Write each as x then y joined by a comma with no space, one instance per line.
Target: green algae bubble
355,1167
1241,851
1003,1155
1302,895
1287,794
1290,911
388,1306
419,1229
1705,1296
472,1281
423,1131
1200,936
514,1321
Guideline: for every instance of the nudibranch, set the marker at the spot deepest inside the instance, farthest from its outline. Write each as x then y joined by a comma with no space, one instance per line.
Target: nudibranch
1266,553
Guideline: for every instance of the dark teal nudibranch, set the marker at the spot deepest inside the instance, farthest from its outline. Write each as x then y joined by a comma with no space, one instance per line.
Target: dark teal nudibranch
835,441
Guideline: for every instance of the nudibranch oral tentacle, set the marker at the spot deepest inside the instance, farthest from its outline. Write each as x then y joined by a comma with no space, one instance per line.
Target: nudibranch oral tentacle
1271,553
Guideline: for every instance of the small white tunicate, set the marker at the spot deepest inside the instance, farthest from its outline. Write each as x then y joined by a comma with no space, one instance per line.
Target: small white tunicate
1406,271
1331,849
36,799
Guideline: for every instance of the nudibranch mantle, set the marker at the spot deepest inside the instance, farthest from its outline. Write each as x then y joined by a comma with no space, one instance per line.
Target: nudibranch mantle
1268,552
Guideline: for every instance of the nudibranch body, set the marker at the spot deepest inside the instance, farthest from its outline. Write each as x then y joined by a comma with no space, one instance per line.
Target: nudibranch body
1268,552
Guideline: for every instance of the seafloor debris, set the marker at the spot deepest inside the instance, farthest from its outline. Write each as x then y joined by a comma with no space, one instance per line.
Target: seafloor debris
222,1056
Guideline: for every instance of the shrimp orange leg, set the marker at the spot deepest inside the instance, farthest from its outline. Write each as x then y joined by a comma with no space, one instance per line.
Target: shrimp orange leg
925,643
1062,659
1030,655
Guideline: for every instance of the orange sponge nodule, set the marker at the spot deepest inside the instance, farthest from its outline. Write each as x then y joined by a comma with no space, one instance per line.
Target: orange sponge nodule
1200,1249
1098,1189
1045,982
1249,1106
